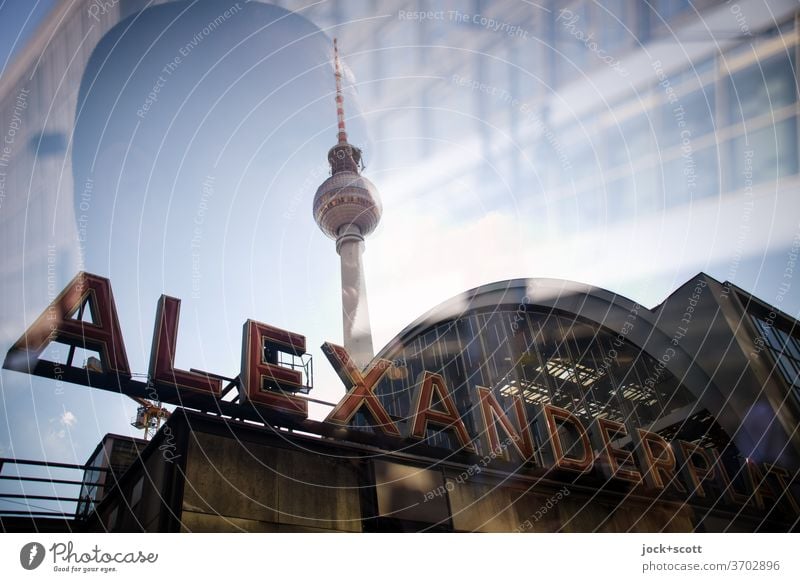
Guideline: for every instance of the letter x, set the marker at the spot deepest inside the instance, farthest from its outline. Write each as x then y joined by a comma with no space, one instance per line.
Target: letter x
362,389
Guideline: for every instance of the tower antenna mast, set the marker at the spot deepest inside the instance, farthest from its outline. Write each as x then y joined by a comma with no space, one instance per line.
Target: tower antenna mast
339,94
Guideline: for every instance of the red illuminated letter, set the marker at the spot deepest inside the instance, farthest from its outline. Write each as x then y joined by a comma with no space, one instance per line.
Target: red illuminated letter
694,475
659,465
361,392
554,417
424,413
102,334
264,381
162,354
609,431
781,475
761,487
729,492
491,410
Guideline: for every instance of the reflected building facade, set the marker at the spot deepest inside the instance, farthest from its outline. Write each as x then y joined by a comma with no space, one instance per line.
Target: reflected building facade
712,366
587,117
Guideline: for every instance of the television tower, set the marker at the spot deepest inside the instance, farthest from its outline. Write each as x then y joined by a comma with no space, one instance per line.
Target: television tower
347,208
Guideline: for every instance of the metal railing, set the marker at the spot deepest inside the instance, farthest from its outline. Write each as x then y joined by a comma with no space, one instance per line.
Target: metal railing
69,490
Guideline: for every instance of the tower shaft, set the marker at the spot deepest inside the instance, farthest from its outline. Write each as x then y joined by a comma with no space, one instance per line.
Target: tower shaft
355,309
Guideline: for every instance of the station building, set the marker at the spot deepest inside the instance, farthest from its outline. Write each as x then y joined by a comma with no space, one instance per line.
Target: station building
712,371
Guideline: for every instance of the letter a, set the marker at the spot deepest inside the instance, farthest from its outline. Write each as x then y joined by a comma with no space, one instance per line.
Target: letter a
58,324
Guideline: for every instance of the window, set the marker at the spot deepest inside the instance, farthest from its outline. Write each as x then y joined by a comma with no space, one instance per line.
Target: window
113,518
761,89
621,199
707,173
691,177
136,492
783,347
629,142
668,9
611,18
544,358
569,24
764,155
690,117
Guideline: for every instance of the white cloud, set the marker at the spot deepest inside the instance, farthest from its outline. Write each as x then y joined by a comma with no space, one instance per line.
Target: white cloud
68,419
404,281
421,256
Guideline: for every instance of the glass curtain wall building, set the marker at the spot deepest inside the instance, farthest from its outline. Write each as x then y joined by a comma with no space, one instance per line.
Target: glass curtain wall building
586,116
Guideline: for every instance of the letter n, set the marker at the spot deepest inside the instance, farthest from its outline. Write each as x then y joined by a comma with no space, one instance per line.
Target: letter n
491,411
61,323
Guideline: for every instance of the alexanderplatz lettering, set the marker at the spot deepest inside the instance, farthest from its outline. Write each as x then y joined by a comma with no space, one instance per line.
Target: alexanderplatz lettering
268,386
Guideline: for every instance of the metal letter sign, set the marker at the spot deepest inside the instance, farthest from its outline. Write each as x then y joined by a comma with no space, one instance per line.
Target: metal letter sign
275,374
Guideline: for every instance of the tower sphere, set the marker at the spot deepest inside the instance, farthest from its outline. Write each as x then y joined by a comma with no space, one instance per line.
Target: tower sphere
347,199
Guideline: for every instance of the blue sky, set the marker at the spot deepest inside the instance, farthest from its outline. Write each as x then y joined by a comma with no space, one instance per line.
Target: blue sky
18,19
